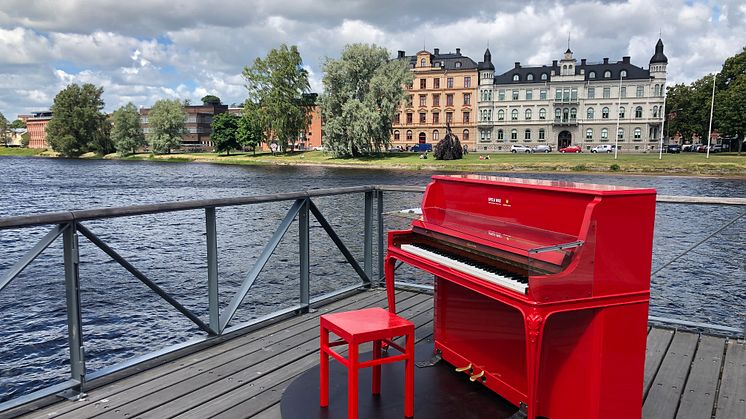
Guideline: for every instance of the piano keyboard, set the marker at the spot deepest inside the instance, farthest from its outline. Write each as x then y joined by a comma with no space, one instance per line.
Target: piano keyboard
483,271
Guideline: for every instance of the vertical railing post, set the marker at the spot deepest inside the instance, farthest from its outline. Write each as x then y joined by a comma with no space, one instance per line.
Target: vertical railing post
72,298
368,236
381,236
303,251
212,270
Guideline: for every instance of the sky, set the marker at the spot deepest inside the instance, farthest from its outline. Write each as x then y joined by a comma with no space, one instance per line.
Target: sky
142,51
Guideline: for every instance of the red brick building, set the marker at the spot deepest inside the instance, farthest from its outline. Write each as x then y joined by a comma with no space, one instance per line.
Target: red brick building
36,124
198,124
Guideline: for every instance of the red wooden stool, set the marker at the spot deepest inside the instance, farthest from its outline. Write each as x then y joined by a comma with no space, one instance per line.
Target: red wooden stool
355,328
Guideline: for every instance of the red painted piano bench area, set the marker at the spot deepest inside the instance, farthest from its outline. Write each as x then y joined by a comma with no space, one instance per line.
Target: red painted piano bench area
358,327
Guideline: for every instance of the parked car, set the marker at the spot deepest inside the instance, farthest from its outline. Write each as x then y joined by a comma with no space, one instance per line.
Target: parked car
397,149
571,149
541,148
520,148
420,148
717,148
603,148
318,148
673,148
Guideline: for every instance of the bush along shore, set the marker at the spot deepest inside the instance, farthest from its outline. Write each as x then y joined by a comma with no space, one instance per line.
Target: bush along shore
719,164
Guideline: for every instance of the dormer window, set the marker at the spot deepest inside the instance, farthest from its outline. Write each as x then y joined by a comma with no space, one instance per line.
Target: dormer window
516,77
458,64
592,75
422,62
624,73
530,77
607,74
544,76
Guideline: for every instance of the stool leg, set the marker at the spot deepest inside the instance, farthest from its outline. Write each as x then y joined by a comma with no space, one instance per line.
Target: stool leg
377,368
324,368
352,381
409,378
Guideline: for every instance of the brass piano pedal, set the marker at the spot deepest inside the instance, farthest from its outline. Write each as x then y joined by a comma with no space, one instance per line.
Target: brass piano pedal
462,369
476,377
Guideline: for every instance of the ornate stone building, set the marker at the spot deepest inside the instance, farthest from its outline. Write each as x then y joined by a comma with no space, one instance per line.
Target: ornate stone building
571,103
443,91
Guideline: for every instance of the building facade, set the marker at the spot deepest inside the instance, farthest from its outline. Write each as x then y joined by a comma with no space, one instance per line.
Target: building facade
443,92
570,103
198,124
36,124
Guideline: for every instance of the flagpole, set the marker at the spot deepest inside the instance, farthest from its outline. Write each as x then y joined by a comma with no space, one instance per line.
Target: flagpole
618,107
663,124
712,107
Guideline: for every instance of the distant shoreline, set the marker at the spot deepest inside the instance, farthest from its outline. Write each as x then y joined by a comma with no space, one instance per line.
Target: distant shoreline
685,164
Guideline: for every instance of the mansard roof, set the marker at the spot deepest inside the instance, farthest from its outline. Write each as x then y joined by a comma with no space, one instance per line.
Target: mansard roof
444,61
633,72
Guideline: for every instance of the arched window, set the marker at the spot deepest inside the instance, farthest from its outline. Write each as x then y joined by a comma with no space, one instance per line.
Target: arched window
527,134
516,77
621,112
638,112
528,114
530,77
543,76
564,67
542,113
657,89
501,115
638,133
604,134
607,74
409,135
566,114
573,113
396,135
592,75
655,111
605,113
558,114
620,133
589,134
465,136
624,73
589,113
514,114
541,133
422,138
458,64
514,134
436,135
422,62
500,134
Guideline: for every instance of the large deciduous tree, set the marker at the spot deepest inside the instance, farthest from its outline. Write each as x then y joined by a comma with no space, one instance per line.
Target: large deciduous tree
276,85
4,135
362,91
78,124
18,124
167,121
730,101
126,131
224,127
211,100
249,131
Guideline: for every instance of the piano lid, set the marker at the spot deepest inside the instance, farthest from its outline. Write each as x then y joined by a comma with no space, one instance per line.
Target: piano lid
555,185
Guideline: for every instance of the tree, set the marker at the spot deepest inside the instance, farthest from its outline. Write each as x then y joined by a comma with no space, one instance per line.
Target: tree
362,91
18,124
249,131
126,131
276,84
211,100
224,127
688,108
4,137
25,139
730,110
78,124
167,121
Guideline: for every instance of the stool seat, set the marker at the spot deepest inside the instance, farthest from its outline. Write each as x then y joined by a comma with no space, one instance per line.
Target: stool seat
366,325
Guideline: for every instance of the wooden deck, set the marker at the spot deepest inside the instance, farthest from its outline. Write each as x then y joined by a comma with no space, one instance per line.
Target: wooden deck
687,375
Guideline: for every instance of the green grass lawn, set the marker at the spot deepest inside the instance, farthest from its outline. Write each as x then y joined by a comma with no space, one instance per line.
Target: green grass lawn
15,151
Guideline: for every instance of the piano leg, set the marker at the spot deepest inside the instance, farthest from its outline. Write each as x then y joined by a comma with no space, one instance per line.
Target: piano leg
389,273
534,326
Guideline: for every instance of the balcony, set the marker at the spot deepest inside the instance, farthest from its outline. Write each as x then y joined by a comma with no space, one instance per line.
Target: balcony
565,122
566,101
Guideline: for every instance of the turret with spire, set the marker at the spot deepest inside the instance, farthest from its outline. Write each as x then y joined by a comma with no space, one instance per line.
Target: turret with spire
659,61
486,68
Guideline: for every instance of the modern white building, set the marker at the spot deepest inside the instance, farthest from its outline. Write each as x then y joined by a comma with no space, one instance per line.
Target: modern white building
570,103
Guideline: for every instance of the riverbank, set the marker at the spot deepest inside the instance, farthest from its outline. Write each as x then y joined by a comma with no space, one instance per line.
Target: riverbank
720,164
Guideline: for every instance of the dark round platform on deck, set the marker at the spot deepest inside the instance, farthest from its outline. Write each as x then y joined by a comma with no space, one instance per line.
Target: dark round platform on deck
440,392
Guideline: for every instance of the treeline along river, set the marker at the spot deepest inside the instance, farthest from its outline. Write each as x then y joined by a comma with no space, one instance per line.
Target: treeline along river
122,318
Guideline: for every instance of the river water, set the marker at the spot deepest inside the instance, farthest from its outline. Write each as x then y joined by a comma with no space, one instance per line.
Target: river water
122,318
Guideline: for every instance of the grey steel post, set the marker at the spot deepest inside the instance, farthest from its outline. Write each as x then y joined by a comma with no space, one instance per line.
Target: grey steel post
368,237
381,236
212,270
303,252
72,296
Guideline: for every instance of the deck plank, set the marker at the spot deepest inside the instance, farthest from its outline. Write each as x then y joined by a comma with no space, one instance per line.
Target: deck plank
668,384
657,344
698,399
273,412
732,399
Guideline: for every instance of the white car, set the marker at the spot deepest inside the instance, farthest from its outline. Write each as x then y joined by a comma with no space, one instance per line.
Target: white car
520,148
541,148
318,148
603,148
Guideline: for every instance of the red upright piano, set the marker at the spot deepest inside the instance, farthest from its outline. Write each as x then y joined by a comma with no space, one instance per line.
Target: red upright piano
541,288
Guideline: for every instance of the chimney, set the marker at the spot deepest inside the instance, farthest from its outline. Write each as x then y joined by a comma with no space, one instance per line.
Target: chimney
606,60
625,60
401,54
582,61
554,63
458,51
517,64
436,51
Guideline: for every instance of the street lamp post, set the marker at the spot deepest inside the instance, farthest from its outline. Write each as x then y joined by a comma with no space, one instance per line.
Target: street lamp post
618,107
712,107
663,124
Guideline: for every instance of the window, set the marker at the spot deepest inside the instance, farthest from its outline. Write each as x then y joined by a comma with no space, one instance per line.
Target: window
449,117
396,135
409,135
423,83
436,83
542,113
500,134
544,76
436,99
604,134
607,92
397,119
638,133
466,117
624,73
423,117
573,113
449,99
501,115
515,94
607,74
541,133
409,117
436,135
467,99
501,95
638,112
589,113
620,133
592,75
589,134
605,113
528,114
458,64
558,114
423,100
514,134
574,94
623,92
657,90
436,118
655,111
558,94
527,134
514,115
449,83
543,94
467,81
621,112
489,94
530,77
422,138
516,77
422,62
591,93
640,91
465,135
410,99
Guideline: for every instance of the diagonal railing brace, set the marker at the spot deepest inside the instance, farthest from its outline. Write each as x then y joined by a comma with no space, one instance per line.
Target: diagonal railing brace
32,254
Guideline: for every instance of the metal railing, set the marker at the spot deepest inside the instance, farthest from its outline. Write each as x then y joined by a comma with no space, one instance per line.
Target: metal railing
69,226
